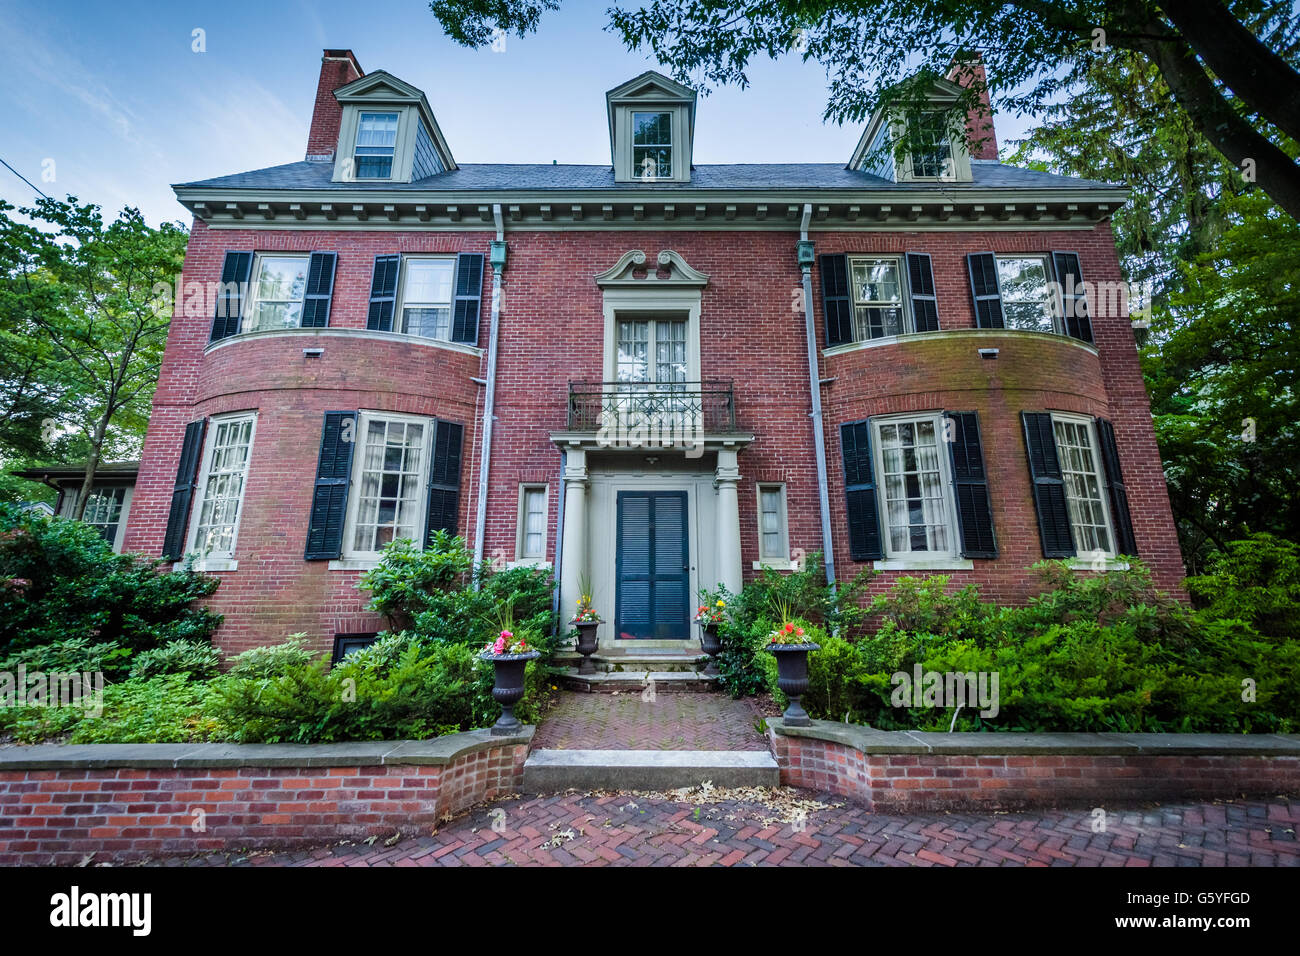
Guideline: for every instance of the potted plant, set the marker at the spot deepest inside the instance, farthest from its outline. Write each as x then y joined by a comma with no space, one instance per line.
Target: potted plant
711,615
509,656
790,646
587,621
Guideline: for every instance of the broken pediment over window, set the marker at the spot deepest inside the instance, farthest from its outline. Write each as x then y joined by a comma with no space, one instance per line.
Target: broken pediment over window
668,269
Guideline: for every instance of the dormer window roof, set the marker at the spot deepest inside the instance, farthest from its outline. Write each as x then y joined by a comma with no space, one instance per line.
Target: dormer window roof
932,150
651,129
388,133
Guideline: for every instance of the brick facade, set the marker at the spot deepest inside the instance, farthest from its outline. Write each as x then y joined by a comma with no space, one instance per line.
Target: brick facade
552,332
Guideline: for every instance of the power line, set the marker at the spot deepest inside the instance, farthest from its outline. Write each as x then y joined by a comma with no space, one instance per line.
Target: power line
23,178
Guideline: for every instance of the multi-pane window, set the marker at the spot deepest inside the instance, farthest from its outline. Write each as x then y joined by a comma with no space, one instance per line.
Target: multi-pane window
772,522
1028,298
279,283
918,515
1084,495
104,511
532,522
931,145
651,350
652,145
877,297
426,297
376,144
390,475
221,486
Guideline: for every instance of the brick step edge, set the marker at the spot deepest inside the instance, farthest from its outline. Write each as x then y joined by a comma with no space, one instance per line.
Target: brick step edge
551,771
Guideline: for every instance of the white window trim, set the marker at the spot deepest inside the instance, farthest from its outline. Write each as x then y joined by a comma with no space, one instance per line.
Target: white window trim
904,291
625,168
906,560
959,161
349,558
403,148
218,562
399,303
521,531
70,500
1112,560
397,137
1053,290
781,560
250,304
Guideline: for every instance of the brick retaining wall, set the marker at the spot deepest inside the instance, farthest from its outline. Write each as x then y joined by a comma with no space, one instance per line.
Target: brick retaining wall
904,771
124,802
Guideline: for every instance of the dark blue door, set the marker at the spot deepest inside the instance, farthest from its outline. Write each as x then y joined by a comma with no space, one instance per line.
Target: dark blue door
653,566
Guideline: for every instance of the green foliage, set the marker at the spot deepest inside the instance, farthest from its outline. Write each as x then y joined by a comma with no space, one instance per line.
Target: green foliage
741,664
805,595
194,659
1256,581
60,580
75,655
268,663
1102,652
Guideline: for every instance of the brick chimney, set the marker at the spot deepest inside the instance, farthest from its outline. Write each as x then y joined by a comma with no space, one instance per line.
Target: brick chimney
980,135
337,68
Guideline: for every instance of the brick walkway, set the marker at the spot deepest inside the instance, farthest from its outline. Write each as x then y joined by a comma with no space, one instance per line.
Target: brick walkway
671,721
754,828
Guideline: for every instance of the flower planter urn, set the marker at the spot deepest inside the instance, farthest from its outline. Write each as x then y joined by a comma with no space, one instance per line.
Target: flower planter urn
792,678
508,688
710,644
586,645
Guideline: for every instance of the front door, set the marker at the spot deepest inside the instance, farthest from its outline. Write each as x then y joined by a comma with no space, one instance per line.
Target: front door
653,566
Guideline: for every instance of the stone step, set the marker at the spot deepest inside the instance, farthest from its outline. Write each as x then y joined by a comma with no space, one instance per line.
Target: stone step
619,661
551,771
636,681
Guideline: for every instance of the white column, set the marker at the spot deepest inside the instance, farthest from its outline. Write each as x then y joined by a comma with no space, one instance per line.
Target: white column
725,480
573,558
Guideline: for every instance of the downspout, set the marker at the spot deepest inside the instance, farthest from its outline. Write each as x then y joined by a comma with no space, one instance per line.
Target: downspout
559,537
805,253
498,261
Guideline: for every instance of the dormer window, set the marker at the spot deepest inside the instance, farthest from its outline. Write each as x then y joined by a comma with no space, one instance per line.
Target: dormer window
651,127
652,145
931,146
376,145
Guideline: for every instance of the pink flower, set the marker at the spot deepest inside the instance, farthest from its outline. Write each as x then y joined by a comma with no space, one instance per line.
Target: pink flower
500,646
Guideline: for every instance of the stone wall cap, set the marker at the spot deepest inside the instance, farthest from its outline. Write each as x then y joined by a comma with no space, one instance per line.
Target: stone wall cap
436,752
871,741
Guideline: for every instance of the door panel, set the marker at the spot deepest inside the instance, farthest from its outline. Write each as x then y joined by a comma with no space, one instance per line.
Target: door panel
653,566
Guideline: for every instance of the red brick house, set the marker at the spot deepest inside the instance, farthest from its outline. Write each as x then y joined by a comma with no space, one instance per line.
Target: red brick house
605,369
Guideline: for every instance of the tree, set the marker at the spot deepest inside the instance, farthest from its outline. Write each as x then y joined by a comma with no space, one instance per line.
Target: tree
1222,355
1222,63
86,297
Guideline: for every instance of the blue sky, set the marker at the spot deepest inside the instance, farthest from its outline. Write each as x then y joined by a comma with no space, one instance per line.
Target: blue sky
112,101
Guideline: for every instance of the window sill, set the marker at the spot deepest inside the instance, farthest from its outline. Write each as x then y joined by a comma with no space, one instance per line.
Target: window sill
1091,564
986,334
779,564
315,334
209,565
924,564
529,563
354,564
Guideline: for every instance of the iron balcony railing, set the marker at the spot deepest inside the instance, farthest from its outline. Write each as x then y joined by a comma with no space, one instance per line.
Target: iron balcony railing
654,412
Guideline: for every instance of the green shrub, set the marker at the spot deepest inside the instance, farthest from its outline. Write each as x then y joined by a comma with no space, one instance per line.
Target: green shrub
264,663
196,660
806,594
742,670
60,580
1257,581
75,655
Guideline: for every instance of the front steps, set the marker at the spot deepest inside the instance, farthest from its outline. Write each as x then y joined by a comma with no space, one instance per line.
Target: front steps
552,771
670,669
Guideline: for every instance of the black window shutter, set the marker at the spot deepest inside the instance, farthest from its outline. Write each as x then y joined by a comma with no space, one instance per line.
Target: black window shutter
444,479
469,298
1049,487
971,487
187,473
1119,513
860,492
1078,324
320,289
925,305
983,268
837,305
329,503
383,293
235,273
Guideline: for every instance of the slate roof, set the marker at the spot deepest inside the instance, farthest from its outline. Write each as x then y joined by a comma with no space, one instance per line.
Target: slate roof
533,178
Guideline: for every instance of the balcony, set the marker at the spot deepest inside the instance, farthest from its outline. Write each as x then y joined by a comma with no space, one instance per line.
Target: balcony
643,413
